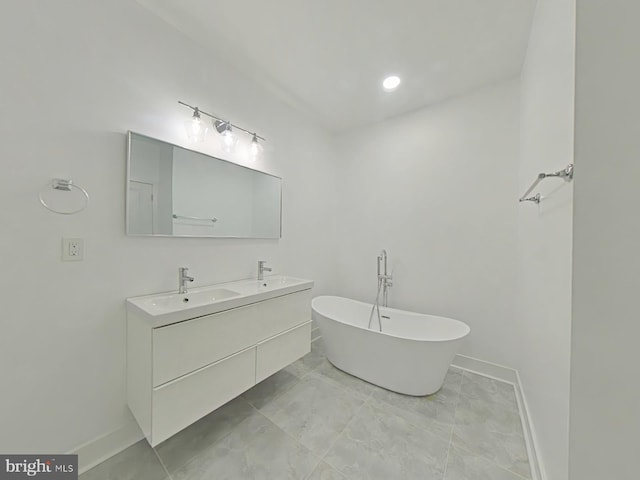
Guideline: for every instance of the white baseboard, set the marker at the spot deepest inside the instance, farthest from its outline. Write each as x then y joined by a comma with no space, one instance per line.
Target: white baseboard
100,449
537,469
508,375
487,369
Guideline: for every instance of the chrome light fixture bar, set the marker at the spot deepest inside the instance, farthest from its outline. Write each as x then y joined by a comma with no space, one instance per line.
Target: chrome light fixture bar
223,127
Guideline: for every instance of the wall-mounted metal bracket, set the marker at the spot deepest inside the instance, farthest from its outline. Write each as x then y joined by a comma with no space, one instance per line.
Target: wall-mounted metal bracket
566,174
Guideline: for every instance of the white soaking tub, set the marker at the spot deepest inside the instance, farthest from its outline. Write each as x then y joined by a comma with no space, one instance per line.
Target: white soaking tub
411,355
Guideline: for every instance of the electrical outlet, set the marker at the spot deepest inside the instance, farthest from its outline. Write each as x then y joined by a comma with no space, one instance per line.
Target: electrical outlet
72,249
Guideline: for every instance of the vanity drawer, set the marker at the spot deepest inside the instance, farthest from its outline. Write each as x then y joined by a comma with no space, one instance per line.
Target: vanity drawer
178,404
282,313
187,346
279,351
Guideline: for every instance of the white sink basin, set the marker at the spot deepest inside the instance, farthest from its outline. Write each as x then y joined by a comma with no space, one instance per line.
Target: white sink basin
182,300
277,281
171,307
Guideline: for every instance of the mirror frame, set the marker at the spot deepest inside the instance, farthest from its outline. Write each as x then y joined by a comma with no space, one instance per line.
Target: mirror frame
128,178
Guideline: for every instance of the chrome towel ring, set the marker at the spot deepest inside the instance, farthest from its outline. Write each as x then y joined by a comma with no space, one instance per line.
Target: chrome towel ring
65,186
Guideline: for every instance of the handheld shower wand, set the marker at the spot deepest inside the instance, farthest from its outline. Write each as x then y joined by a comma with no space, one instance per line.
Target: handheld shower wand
385,278
384,282
382,258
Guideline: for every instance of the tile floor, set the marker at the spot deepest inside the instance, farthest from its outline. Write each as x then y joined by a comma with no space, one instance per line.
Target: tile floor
311,421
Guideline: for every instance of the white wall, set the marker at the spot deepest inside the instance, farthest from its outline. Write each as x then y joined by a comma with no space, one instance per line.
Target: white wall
437,188
77,75
544,231
605,395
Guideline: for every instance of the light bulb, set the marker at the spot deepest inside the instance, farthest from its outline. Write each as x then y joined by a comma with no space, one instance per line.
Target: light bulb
391,83
196,126
228,139
196,130
255,149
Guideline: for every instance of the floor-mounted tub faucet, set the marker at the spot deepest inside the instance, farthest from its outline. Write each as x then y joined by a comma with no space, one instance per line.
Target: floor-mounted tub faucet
262,269
182,279
384,277
385,281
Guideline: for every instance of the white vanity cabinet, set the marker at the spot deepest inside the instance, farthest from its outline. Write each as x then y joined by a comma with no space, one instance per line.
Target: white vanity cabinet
179,372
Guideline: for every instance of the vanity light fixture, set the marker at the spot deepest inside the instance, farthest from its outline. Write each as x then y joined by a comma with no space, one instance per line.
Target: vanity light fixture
391,83
196,130
229,139
255,149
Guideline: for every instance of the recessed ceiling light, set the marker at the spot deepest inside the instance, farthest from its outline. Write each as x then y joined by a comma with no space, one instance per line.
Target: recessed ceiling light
391,83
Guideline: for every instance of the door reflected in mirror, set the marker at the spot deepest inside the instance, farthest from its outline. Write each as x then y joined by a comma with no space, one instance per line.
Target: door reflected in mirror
173,191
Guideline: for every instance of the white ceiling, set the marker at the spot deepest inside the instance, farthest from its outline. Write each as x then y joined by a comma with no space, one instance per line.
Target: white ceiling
328,57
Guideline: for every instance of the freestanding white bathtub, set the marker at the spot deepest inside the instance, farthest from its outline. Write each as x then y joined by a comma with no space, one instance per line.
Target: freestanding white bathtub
411,355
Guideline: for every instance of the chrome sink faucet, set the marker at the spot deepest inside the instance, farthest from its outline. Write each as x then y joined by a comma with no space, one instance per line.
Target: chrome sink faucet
182,279
262,269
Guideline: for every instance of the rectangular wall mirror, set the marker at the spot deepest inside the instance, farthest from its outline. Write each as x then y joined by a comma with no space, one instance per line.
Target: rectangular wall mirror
173,191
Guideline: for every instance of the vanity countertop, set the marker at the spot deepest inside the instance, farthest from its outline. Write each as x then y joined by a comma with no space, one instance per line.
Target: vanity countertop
172,307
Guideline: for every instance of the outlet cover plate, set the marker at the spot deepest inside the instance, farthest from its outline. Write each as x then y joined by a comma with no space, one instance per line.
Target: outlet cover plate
72,249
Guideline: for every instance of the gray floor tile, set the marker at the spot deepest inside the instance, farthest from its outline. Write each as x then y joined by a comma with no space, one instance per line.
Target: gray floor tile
298,368
255,450
377,444
463,465
491,417
435,413
324,471
138,462
434,424
270,388
200,436
453,379
314,412
507,450
488,390
488,423
344,380
312,409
